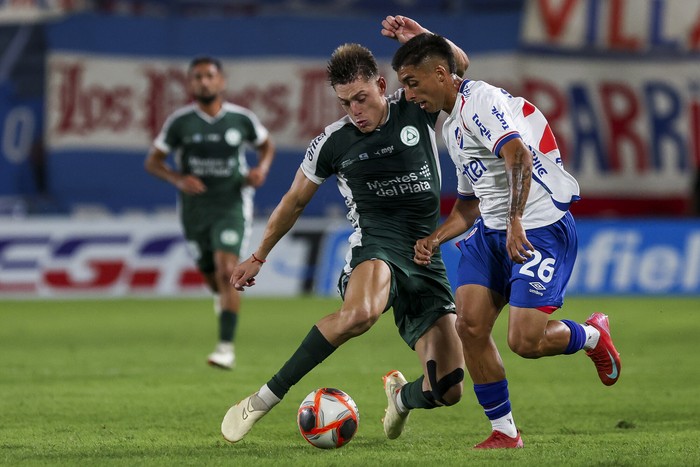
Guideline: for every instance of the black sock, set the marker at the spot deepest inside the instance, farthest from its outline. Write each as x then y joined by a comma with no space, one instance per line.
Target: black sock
312,351
227,325
413,396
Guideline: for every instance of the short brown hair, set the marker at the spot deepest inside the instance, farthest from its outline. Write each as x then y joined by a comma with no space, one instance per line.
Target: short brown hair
349,62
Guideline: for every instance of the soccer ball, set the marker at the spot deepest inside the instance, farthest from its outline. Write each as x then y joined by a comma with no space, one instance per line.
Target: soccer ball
328,418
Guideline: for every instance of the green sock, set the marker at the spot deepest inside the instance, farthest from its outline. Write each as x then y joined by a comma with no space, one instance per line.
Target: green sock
413,396
313,350
227,325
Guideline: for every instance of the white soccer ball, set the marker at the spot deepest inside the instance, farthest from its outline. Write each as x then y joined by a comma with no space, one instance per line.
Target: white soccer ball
328,418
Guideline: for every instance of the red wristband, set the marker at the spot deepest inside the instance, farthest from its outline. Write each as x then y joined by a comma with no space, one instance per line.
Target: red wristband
258,260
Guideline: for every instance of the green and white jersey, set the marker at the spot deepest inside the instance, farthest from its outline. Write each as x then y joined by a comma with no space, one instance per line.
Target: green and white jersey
390,179
213,149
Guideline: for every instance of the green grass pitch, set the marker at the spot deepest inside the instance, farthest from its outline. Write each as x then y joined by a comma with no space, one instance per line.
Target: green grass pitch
124,382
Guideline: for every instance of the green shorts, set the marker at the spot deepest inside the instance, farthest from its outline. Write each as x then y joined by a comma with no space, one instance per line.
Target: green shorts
229,234
419,296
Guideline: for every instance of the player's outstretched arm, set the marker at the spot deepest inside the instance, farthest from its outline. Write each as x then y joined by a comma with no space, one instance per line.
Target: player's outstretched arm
461,218
280,222
403,29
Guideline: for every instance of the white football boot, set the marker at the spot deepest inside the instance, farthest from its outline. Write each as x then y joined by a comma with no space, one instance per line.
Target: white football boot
394,420
240,418
223,356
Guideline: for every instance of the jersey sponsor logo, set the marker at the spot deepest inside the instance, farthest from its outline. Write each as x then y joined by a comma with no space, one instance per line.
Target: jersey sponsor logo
206,137
233,137
500,116
425,171
384,151
402,184
313,145
205,167
410,135
475,169
482,129
537,163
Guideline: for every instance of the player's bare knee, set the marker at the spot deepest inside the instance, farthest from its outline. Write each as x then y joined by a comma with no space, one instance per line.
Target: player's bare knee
469,331
358,320
524,347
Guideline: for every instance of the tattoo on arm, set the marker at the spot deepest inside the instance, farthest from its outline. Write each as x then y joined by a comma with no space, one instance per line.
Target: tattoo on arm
519,178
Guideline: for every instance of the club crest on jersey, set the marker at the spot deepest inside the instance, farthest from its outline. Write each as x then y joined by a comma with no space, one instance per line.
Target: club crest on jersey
410,135
465,90
233,137
459,137
230,237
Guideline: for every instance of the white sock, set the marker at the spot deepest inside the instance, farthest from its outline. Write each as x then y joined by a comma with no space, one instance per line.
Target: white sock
592,335
268,397
225,346
506,425
399,403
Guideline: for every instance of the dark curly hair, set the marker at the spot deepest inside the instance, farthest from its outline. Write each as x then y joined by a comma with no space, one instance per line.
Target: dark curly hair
349,62
424,47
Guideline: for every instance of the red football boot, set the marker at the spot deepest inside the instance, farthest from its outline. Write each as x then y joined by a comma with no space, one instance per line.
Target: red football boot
604,354
499,440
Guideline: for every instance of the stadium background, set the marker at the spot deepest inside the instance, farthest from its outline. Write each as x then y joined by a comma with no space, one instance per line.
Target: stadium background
85,86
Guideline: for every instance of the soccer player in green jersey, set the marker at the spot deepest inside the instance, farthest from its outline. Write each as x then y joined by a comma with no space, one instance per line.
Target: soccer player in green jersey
216,186
384,157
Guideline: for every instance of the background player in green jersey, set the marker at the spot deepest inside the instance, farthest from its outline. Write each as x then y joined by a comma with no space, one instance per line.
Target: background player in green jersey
215,185
384,158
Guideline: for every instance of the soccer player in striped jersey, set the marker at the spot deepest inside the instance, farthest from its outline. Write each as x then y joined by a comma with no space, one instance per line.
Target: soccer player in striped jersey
521,250
215,184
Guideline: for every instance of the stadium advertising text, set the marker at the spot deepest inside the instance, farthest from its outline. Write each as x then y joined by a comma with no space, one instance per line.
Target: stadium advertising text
107,103
616,132
68,257
617,127
626,257
614,25
109,258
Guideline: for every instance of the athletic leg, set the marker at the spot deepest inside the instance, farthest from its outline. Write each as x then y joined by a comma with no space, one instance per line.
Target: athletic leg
229,302
366,298
440,353
477,310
